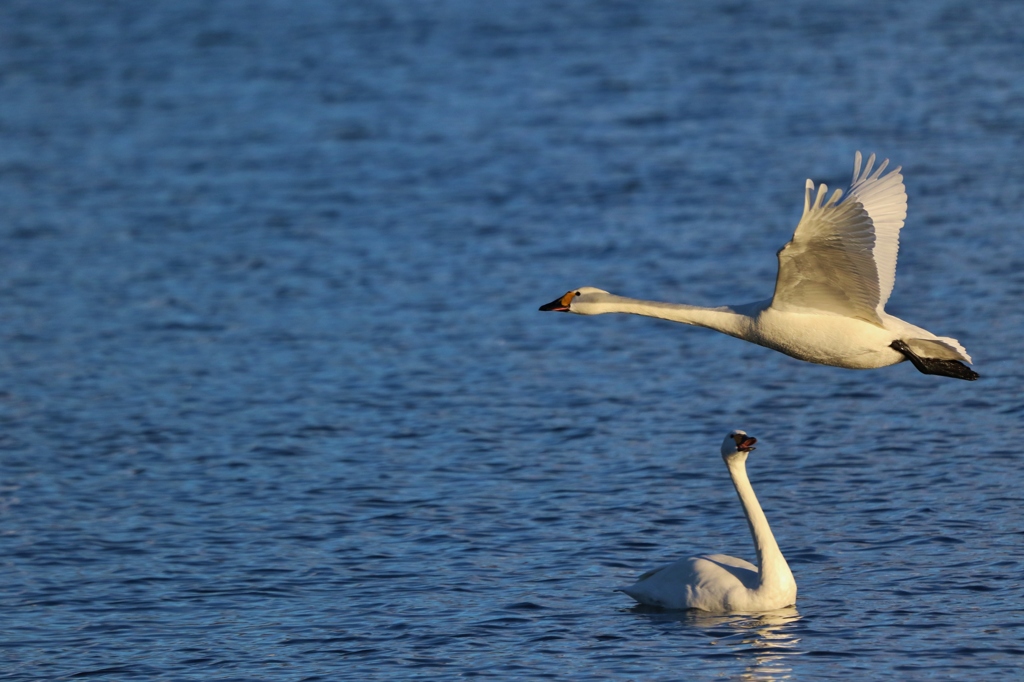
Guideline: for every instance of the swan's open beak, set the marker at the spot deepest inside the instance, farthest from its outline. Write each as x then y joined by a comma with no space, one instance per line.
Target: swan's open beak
744,443
560,305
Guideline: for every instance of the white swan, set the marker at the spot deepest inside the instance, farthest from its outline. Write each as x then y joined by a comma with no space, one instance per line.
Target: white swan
719,583
835,276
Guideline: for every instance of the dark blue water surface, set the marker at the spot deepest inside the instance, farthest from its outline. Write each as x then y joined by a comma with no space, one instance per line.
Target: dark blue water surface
277,402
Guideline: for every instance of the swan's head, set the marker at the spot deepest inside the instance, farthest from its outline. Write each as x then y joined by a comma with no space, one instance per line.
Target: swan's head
582,301
737,443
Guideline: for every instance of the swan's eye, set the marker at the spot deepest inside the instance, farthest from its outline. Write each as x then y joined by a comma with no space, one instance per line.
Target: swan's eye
577,293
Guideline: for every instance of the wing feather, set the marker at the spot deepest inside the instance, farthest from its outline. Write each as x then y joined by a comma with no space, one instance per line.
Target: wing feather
885,200
842,257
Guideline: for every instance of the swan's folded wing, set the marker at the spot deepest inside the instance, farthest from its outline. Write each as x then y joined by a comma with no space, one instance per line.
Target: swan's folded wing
828,265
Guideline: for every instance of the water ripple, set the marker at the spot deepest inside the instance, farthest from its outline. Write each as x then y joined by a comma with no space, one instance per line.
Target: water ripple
277,403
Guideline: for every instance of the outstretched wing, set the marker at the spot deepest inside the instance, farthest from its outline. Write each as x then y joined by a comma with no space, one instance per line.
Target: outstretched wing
842,257
885,200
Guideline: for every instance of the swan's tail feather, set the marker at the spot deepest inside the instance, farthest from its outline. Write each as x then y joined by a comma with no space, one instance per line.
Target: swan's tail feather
939,348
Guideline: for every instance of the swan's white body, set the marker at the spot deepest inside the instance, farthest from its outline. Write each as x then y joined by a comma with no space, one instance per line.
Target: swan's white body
834,279
720,583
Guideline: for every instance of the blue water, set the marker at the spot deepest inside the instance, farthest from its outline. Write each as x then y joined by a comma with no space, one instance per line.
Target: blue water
277,403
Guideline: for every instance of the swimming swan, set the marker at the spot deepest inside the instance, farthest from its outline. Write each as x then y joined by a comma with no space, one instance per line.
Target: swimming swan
719,583
835,276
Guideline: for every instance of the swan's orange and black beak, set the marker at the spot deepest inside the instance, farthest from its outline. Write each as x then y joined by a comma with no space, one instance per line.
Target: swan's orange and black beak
560,305
744,443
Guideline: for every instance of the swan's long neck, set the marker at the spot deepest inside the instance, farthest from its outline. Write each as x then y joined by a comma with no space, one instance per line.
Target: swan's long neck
724,319
772,568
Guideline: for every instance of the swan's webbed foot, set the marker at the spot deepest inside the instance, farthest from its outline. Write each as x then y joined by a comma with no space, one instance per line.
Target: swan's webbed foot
945,368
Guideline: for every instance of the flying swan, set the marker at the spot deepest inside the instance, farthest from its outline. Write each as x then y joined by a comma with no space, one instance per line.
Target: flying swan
835,276
720,583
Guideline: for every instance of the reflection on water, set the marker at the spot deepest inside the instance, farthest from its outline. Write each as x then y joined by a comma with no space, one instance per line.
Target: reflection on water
766,643
763,644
